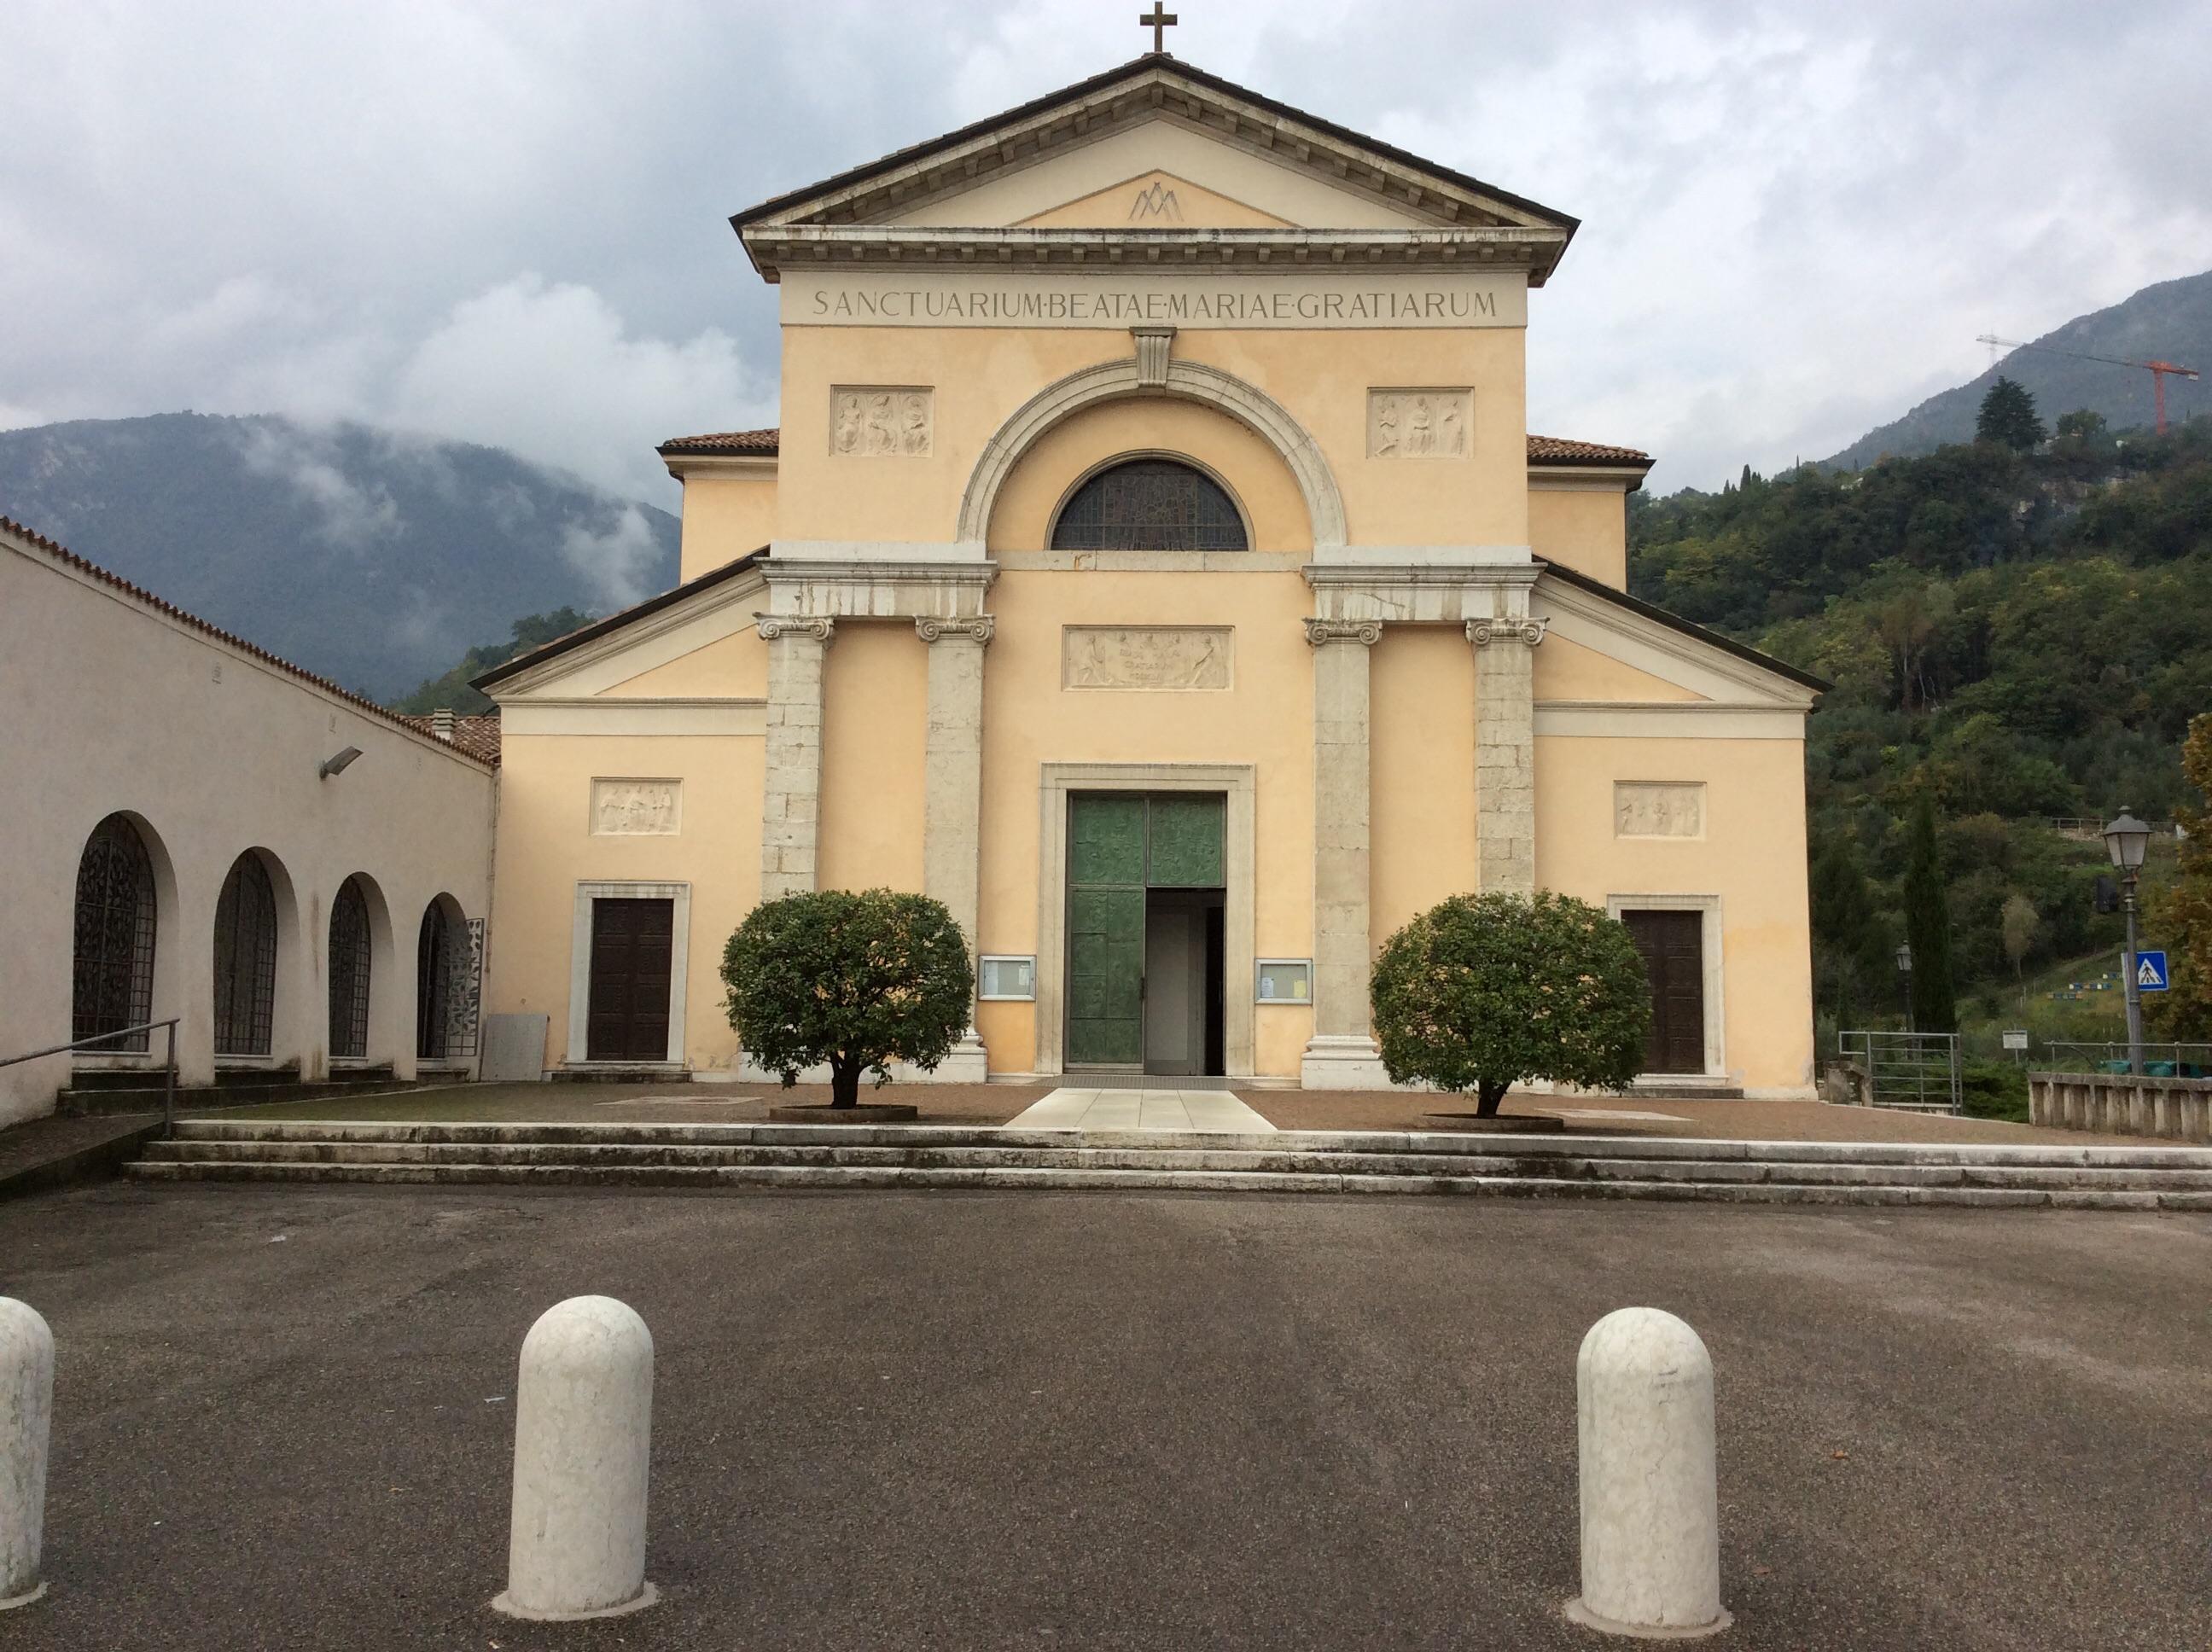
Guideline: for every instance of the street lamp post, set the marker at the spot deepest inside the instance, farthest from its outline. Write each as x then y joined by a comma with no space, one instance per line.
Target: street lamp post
1905,974
2126,838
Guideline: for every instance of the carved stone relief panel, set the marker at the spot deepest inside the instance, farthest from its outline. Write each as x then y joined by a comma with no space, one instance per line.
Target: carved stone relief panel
1165,658
882,421
1418,423
1658,809
626,808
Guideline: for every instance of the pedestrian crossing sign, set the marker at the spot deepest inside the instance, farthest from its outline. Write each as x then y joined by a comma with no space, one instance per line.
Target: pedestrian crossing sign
2150,972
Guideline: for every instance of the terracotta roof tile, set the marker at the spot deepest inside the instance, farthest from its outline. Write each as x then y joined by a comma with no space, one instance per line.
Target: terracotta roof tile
1542,450
1560,450
722,441
70,559
477,736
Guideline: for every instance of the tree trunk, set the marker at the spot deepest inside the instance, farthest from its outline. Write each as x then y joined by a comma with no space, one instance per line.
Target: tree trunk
1487,1096
844,1082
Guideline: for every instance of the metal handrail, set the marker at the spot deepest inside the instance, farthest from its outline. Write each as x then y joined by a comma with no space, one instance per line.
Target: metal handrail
168,1070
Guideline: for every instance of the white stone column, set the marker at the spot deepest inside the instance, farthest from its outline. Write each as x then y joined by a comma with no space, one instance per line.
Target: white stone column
791,802
1505,752
1341,1054
26,1412
953,799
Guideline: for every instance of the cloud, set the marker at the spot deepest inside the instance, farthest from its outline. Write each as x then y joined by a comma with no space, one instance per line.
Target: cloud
620,558
352,517
1795,222
552,372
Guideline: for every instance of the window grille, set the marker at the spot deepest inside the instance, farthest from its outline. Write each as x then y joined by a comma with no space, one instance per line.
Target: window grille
113,964
349,955
245,960
1150,504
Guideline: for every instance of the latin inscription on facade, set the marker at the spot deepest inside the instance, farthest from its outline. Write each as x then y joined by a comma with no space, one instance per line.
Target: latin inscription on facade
1308,300
881,421
624,808
1418,423
1658,809
1159,658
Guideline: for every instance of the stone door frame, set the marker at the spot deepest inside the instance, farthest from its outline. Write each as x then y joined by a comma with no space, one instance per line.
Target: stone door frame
580,964
1239,783
1711,935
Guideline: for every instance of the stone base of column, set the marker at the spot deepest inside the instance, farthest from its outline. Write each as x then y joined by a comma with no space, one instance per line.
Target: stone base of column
1341,1062
967,1065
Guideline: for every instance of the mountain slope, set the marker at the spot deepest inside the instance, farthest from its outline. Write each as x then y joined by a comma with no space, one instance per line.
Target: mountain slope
372,557
2171,321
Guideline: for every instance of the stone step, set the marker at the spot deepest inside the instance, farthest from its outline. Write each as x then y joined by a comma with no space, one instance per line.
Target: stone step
1146,1179
1588,1166
1514,1148
80,1101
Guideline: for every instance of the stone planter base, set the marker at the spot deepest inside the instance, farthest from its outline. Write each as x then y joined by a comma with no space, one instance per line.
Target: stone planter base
822,1113
1509,1124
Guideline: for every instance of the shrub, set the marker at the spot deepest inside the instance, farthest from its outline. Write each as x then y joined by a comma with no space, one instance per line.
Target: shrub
1484,992
856,980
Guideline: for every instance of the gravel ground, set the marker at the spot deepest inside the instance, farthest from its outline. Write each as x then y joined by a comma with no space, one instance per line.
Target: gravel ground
284,1418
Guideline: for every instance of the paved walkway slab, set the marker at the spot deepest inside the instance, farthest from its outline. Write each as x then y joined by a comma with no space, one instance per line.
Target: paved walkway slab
1070,1108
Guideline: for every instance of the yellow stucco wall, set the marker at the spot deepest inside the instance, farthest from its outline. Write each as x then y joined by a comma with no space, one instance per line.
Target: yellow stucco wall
1585,529
1266,720
546,849
1752,857
1421,808
734,666
874,704
725,518
983,375
1568,671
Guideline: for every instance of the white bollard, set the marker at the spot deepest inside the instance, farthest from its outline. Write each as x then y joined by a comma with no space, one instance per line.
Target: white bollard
583,1431
27,1414
1650,1508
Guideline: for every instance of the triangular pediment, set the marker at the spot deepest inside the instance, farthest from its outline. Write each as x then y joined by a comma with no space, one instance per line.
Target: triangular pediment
1157,199
1251,164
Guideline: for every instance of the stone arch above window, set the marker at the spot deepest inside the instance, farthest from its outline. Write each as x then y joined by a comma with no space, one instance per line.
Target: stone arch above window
1150,504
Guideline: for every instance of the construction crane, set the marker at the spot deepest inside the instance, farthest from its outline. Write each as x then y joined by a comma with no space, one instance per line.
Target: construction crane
2158,370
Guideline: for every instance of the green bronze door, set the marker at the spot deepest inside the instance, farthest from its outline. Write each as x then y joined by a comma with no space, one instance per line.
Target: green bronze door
1117,845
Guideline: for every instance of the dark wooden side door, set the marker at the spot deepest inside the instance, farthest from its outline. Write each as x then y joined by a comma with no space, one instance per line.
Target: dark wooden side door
1674,948
632,952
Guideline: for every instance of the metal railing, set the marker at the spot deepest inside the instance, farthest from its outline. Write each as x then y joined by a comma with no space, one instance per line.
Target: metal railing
2159,1061
168,1069
1920,1071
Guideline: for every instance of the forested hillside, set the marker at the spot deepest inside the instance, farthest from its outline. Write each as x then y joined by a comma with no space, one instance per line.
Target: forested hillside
2024,635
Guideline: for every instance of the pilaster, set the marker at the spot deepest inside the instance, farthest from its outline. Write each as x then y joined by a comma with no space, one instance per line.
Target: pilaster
1505,751
791,805
1341,1054
952,798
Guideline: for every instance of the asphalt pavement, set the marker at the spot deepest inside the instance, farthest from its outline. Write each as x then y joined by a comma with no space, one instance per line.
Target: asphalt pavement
284,1418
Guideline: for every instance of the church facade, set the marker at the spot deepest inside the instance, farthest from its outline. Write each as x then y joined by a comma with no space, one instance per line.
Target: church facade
1154,564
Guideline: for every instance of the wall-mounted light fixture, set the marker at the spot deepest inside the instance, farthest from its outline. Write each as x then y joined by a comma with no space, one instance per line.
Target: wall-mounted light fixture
339,764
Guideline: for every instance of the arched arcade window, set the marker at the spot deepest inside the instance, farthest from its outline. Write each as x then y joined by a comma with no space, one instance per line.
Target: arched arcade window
1150,504
349,972
113,966
244,959
434,984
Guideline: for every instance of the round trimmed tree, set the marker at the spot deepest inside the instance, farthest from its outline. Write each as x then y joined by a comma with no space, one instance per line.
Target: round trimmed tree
856,980
1484,992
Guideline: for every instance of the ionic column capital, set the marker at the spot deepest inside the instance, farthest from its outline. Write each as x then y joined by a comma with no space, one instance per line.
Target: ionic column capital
820,627
1321,631
978,630
1507,629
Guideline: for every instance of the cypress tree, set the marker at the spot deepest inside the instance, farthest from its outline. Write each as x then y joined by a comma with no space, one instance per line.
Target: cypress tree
1928,926
2007,418
1843,934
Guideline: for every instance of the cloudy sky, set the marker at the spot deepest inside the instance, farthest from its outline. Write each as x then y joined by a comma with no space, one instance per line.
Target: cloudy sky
507,221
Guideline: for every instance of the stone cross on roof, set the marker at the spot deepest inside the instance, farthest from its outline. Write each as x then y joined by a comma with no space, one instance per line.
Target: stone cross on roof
1159,22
